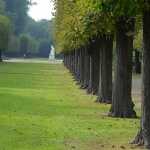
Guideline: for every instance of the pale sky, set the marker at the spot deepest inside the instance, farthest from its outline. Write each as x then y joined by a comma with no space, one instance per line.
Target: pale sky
43,10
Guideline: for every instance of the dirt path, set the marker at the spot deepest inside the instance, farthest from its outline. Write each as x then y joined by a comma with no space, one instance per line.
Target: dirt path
136,92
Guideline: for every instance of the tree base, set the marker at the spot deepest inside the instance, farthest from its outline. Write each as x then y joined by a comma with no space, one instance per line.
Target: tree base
89,91
122,114
139,141
99,100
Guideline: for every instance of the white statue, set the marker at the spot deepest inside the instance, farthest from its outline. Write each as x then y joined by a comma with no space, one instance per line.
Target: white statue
52,54
52,50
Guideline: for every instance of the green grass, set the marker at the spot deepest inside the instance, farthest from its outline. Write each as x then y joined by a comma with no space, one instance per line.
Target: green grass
39,59
43,59
42,108
136,75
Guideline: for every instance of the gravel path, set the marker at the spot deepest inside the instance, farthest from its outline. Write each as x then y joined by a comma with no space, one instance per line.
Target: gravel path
33,61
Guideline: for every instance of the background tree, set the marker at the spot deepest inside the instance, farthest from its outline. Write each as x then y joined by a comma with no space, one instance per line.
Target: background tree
42,31
18,10
44,49
13,46
4,33
143,138
2,6
138,47
28,45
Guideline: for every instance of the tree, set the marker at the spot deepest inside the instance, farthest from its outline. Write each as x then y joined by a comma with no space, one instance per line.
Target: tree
13,45
28,45
143,138
39,30
84,28
44,49
2,6
138,46
122,105
4,33
123,14
18,10
105,77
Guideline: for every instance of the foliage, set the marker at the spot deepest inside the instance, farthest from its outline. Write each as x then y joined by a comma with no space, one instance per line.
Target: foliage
4,32
44,49
28,44
39,30
2,6
34,115
14,44
138,41
77,21
42,31
18,13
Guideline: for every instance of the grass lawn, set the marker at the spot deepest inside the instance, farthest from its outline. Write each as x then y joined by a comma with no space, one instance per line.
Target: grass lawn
136,75
42,108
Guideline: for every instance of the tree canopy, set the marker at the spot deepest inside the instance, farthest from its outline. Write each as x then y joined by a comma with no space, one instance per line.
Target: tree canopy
5,27
17,10
77,21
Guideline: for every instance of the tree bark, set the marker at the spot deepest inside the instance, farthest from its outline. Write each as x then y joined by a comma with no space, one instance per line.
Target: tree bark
82,64
122,105
69,62
65,59
78,64
143,136
73,62
0,56
137,62
86,68
105,75
94,65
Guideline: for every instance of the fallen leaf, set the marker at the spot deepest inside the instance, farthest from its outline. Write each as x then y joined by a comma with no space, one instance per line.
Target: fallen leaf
113,146
122,147
130,33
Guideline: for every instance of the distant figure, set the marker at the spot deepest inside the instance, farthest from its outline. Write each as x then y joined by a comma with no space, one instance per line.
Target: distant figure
24,56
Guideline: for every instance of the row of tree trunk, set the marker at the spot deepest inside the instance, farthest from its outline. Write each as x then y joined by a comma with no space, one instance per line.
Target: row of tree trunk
91,65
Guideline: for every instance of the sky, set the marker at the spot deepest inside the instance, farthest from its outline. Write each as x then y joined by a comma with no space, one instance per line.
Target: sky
43,10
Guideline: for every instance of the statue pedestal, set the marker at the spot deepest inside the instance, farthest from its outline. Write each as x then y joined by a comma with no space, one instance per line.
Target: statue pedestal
51,57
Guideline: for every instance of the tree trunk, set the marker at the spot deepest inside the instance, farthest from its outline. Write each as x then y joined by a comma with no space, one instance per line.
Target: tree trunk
137,62
0,56
143,136
94,65
86,68
105,75
65,59
78,64
69,62
122,105
73,62
82,64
